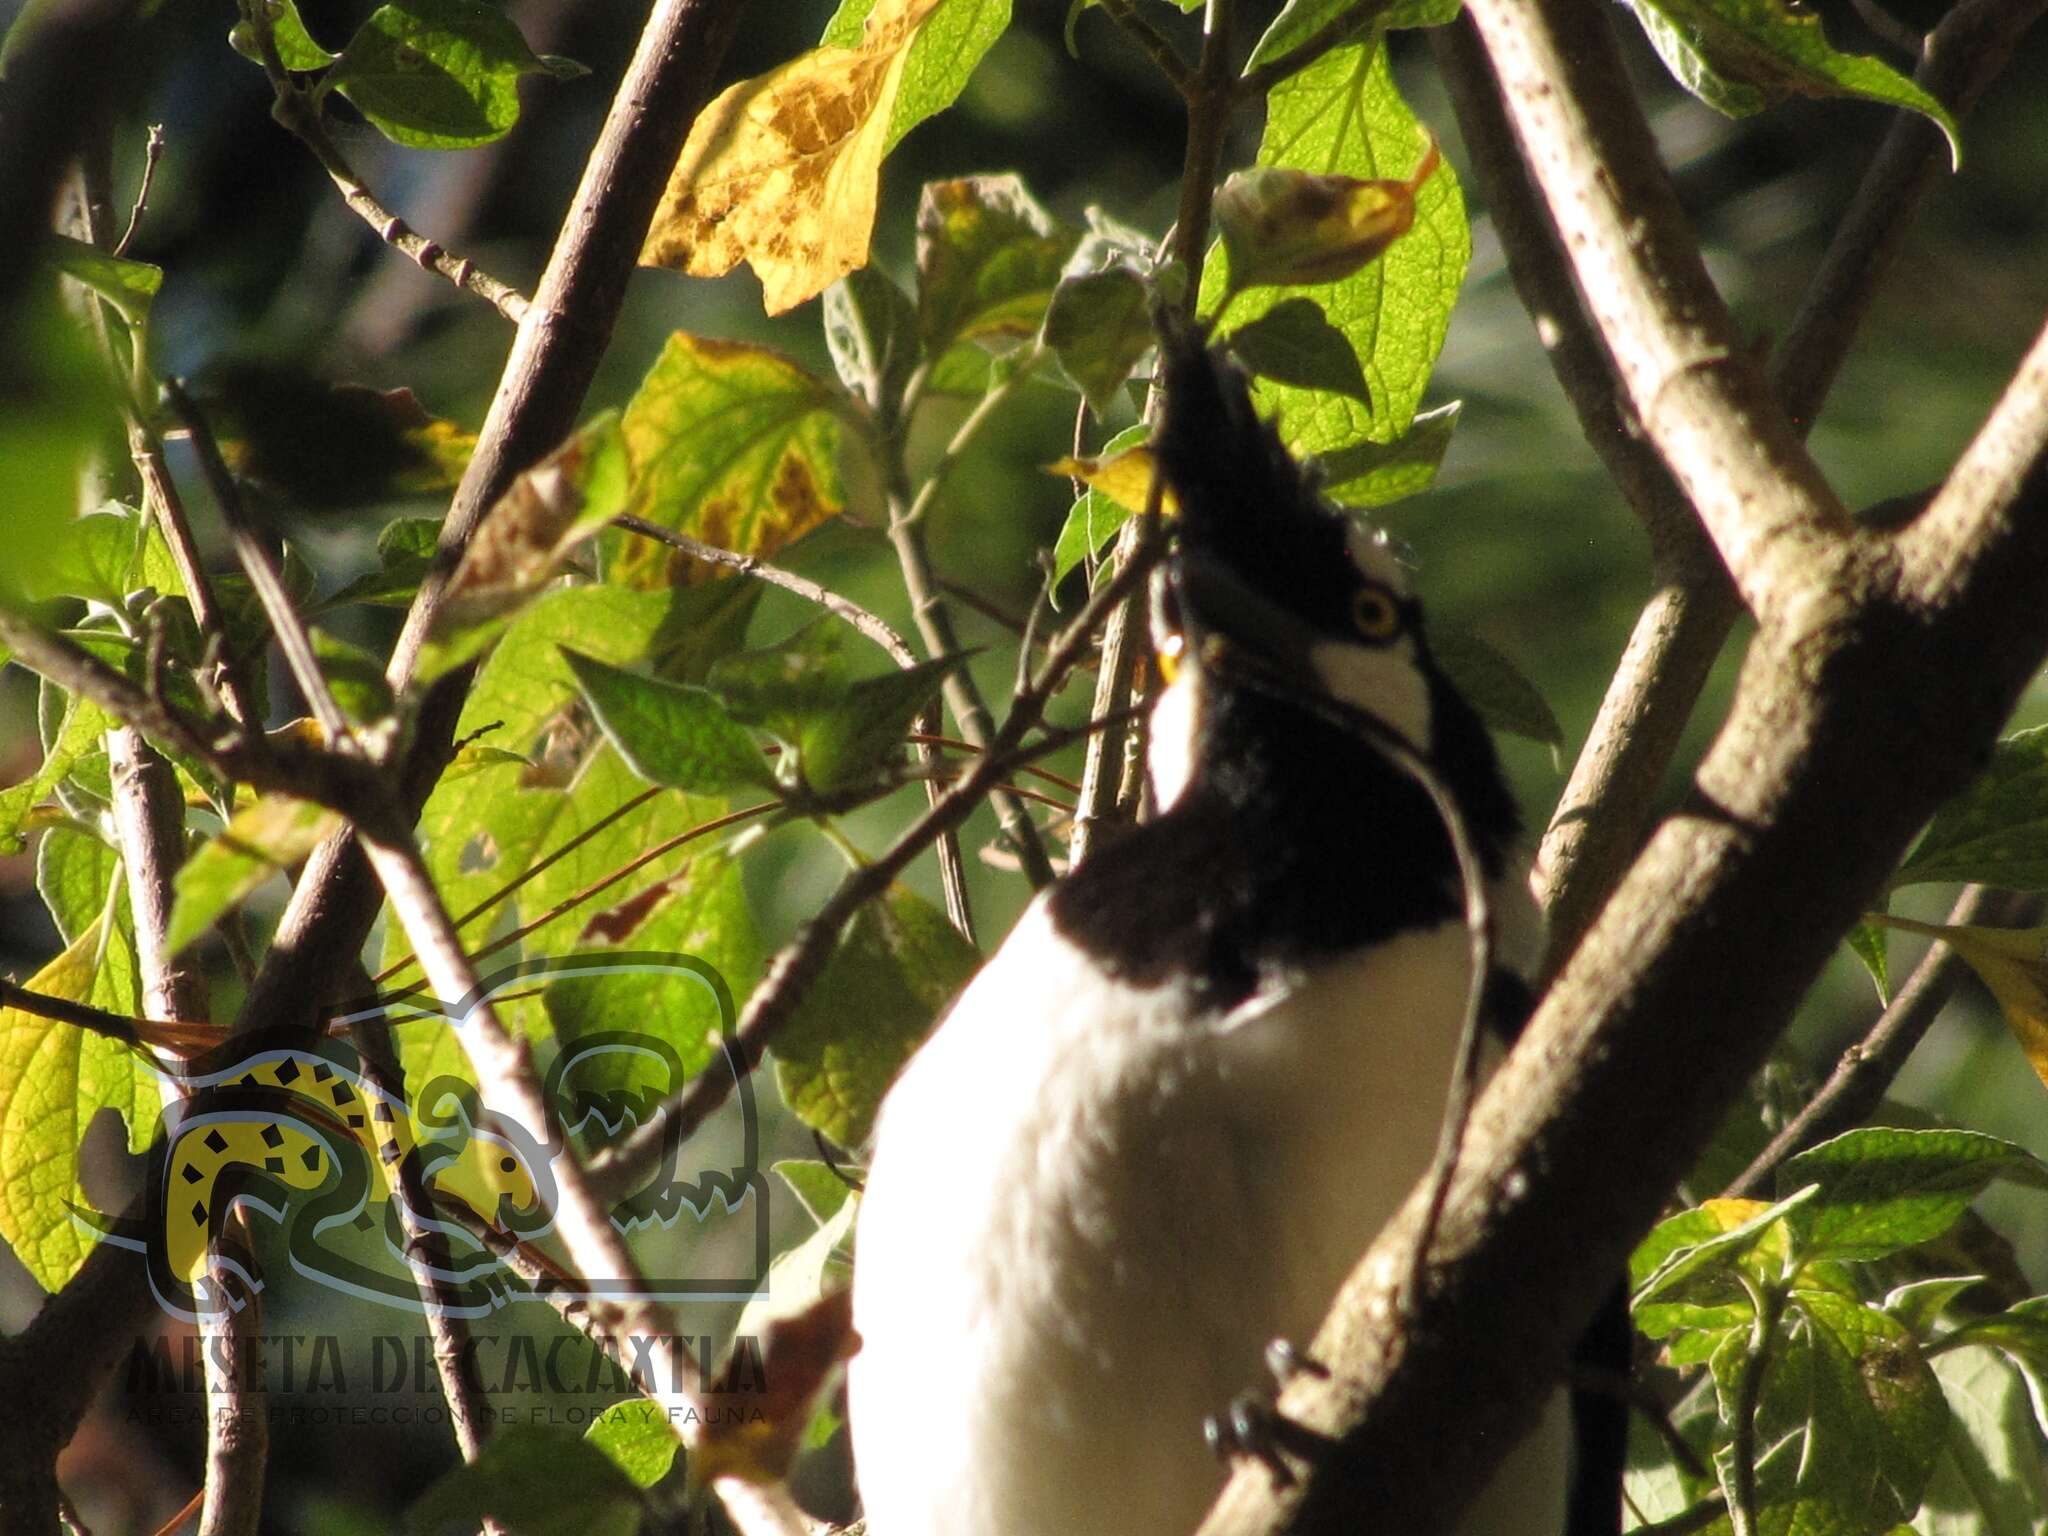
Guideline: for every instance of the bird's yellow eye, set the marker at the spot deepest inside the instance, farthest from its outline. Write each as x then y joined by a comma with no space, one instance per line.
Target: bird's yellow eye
1169,650
1375,614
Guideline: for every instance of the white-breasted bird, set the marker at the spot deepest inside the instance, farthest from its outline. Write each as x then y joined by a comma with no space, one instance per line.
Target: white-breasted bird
1173,1109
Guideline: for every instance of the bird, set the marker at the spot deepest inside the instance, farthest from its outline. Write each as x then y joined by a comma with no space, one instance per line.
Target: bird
1171,1111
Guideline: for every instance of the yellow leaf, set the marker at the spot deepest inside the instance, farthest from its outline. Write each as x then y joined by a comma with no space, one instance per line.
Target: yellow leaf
1125,478
781,171
1290,226
2013,963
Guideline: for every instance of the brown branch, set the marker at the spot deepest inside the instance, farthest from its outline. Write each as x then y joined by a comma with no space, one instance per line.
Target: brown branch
1692,381
1857,1086
554,357
152,152
799,962
1862,706
297,110
1155,45
1111,774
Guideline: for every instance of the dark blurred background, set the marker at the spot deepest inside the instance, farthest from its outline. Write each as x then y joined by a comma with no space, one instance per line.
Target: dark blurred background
1522,539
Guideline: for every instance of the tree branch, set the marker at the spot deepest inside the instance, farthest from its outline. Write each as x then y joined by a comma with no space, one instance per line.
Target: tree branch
1682,984
799,962
1692,381
553,359
1857,1086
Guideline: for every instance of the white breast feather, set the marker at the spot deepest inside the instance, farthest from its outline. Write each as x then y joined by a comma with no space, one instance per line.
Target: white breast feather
1087,1217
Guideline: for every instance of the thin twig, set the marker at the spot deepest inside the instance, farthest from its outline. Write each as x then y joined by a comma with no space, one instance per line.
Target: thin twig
1857,1086
798,963
427,1254
597,887
935,621
152,152
952,871
297,111
1110,776
540,391
260,565
1155,44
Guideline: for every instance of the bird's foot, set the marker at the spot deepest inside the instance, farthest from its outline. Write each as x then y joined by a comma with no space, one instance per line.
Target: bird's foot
1253,1427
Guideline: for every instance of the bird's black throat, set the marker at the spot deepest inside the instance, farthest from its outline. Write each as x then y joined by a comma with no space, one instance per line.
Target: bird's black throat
1295,839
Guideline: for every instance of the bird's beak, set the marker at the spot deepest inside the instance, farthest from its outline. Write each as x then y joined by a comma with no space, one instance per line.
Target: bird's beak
1228,622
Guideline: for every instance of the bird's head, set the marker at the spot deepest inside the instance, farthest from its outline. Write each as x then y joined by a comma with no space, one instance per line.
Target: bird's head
1271,594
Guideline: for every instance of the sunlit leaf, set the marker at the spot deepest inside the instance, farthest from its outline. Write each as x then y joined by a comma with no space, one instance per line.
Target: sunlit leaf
1097,515
1284,225
296,49
355,676
1883,1189
54,1078
1342,116
1740,56
1124,475
2013,963
437,74
1990,1476
871,331
988,260
732,444
671,733
1301,20
948,46
129,286
781,171
260,841
902,961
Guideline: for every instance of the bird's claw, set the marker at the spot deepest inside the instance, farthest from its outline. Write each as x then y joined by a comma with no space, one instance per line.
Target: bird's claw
1249,1428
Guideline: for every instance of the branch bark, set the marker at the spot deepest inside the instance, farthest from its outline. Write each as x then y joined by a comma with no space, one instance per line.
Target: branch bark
1908,651
553,359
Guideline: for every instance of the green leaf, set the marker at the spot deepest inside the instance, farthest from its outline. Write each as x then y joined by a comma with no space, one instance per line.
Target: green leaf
355,676
871,332
1848,1423
1096,516
405,552
533,1480
1097,327
80,727
1494,685
1868,942
1883,1189
840,730
1370,474
1919,1304
670,733
902,960
1710,1236
733,444
97,557
821,1190
436,74
1344,116
54,1078
951,42
1996,831
130,286
1300,20
802,1274
1990,1476
988,260
1292,343
296,49
638,1437
262,840
1740,56
75,875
